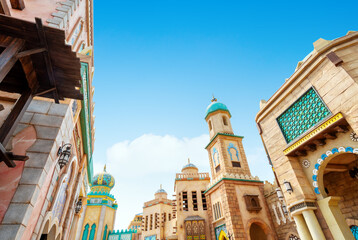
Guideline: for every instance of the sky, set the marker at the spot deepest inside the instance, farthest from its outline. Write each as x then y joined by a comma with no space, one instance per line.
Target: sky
158,63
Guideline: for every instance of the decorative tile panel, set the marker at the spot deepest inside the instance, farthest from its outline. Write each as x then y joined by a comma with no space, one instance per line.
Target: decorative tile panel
306,112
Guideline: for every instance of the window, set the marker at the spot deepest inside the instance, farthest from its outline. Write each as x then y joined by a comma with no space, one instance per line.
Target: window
96,200
216,158
151,222
225,121
146,223
195,201
164,217
203,199
185,201
156,220
210,126
169,217
252,203
217,211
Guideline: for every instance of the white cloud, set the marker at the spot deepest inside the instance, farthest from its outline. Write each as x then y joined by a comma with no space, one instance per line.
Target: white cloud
141,165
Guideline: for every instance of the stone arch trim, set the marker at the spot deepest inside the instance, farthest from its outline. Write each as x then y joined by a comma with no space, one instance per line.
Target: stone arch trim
328,156
231,146
351,222
269,233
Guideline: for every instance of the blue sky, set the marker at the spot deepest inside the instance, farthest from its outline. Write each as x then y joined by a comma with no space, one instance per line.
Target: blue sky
157,64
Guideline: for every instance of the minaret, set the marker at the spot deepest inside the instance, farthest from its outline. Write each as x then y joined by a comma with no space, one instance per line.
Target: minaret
100,210
226,152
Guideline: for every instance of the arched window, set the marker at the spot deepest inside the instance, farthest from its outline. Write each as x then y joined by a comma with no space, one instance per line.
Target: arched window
216,159
105,233
85,232
225,121
210,125
93,232
253,202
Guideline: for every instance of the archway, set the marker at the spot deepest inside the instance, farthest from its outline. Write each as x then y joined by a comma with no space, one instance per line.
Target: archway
257,233
337,184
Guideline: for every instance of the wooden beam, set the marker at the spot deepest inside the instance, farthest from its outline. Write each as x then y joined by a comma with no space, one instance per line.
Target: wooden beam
341,128
46,91
4,8
17,4
30,52
1,107
336,168
5,158
330,135
47,59
14,117
320,142
8,56
301,153
310,147
30,73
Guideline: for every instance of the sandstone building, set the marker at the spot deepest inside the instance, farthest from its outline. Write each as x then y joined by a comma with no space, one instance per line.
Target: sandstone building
309,127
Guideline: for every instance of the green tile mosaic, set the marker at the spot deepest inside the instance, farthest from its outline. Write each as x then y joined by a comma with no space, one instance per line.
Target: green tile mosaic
306,112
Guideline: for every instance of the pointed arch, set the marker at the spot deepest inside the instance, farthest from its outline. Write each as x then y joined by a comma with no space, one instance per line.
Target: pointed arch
93,232
85,232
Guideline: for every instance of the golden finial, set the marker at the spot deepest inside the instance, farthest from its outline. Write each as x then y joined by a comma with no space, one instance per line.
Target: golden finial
161,187
104,168
188,160
214,99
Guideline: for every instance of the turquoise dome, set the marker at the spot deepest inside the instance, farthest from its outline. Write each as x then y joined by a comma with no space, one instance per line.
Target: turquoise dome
161,190
215,106
189,165
103,179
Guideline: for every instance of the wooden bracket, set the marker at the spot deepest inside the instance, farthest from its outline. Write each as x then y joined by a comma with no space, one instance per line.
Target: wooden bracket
30,52
17,4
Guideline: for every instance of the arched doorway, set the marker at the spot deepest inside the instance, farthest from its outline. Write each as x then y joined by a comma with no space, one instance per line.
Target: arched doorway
337,183
257,233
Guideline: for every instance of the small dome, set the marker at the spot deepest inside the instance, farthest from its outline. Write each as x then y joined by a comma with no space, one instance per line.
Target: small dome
161,190
215,106
103,179
189,165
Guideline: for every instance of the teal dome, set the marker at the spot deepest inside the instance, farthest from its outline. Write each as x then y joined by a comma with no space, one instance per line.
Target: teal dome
189,165
215,106
103,179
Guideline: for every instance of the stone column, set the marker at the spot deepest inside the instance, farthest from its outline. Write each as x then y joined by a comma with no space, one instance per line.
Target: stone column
80,222
313,225
302,227
334,218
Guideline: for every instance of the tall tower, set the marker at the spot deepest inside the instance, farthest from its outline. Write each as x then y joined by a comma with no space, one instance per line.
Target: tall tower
100,210
225,149
236,202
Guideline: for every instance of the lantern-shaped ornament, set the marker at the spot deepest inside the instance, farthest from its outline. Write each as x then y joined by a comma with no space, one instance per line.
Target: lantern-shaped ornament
288,186
78,205
279,194
284,209
64,154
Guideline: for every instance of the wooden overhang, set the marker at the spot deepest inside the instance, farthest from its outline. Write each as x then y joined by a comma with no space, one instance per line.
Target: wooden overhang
318,136
34,61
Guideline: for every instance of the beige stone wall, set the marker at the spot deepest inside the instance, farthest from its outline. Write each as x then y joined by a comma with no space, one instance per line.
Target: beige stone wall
189,186
337,89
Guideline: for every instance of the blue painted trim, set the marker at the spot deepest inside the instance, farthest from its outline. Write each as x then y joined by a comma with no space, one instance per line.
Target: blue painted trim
237,152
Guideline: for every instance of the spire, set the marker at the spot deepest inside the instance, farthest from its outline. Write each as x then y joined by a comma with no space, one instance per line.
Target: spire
188,160
214,99
104,168
161,187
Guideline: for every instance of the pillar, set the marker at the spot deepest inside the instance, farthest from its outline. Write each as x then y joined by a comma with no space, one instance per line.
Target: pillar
313,225
302,227
334,218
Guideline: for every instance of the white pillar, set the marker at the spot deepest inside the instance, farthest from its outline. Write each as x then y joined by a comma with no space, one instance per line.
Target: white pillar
313,225
302,227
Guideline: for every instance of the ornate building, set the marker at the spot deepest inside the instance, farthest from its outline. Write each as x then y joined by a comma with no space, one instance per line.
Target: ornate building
99,213
46,116
231,205
309,127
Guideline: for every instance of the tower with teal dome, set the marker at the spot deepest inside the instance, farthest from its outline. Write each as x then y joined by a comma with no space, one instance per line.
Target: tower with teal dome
100,208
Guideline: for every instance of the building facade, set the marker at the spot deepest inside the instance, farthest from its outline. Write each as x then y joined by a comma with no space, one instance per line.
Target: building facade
54,131
309,127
